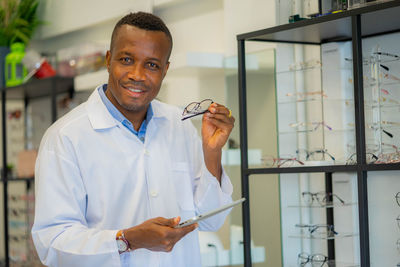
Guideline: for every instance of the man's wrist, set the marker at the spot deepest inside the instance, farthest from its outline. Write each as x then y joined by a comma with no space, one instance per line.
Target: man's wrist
122,242
212,160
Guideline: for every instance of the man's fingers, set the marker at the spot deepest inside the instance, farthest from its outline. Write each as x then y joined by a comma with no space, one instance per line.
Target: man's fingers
216,108
173,221
168,222
187,229
221,117
221,123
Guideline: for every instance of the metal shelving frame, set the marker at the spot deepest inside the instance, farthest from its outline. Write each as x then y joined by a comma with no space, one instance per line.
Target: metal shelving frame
49,87
352,25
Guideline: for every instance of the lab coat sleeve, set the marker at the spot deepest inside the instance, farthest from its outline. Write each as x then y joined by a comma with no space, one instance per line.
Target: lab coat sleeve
60,231
208,193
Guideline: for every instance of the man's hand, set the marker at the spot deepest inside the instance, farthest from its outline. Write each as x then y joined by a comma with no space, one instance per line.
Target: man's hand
217,125
157,234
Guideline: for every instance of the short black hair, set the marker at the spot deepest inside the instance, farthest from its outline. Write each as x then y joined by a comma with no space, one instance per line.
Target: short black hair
144,21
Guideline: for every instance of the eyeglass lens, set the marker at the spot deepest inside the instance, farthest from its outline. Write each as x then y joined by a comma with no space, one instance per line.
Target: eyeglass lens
196,108
315,259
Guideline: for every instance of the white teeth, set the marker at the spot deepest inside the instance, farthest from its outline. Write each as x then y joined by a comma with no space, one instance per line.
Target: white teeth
134,90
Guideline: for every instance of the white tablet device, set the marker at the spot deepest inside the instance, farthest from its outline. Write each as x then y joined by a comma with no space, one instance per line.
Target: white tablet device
209,214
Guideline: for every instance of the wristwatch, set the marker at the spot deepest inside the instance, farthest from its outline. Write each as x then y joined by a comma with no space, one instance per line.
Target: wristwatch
122,242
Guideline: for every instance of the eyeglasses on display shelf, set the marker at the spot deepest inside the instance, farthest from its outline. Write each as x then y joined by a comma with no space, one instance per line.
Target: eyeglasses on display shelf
375,126
387,75
310,126
270,161
319,229
314,260
386,54
196,108
303,65
322,198
301,96
397,197
316,155
370,158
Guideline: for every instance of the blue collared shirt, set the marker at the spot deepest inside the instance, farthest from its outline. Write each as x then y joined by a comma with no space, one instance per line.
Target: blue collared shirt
122,119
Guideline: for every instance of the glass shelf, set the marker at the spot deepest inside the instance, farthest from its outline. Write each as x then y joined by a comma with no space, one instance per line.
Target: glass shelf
299,70
312,100
333,205
323,236
333,263
314,131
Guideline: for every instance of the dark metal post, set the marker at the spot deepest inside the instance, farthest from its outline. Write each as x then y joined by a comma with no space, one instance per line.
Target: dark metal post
243,154
360,140
329,215
4,175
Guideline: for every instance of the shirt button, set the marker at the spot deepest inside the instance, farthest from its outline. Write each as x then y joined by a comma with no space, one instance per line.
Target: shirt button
153,193
146,152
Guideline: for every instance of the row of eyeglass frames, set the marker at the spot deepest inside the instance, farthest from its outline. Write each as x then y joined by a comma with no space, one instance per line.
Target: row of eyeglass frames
323,199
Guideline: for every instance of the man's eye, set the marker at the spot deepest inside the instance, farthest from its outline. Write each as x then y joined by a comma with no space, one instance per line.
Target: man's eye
153,65
126,60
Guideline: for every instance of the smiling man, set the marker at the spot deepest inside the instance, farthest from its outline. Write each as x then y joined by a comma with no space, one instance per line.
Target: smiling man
119,172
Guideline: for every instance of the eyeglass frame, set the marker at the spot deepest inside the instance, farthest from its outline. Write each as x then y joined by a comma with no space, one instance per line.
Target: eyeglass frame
315,196
309,153
355,161
317,123
310,258
275,160
191,112
313,227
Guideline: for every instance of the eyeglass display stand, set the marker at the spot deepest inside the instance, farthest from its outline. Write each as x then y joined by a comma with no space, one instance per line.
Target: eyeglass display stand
351,26
33,90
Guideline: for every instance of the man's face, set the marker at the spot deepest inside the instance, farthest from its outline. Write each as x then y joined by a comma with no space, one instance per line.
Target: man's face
136,65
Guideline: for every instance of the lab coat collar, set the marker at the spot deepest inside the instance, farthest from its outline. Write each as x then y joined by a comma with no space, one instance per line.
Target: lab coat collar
100,117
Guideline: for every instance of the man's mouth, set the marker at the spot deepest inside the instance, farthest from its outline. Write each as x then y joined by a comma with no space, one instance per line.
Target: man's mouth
134,89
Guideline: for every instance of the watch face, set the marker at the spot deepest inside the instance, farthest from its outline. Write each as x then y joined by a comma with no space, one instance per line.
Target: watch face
122,246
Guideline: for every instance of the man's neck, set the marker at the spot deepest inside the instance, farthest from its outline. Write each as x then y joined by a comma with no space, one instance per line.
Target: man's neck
135,117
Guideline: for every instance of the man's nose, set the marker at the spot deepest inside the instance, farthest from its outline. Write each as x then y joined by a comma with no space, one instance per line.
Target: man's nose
136,73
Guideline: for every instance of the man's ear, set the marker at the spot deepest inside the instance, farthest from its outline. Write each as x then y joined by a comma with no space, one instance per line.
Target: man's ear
108,60
166,69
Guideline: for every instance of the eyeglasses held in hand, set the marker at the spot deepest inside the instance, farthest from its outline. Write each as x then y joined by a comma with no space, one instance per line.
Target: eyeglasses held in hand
315,259
314,125
327,229
318,154
270,161
196,108
322,198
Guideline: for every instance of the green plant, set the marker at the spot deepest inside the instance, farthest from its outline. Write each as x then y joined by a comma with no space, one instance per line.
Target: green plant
18,21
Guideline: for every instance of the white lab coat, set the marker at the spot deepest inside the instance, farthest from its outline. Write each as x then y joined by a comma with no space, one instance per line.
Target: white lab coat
94,177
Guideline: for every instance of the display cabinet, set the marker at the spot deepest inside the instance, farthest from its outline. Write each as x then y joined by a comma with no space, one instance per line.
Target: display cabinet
337,98
27,111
